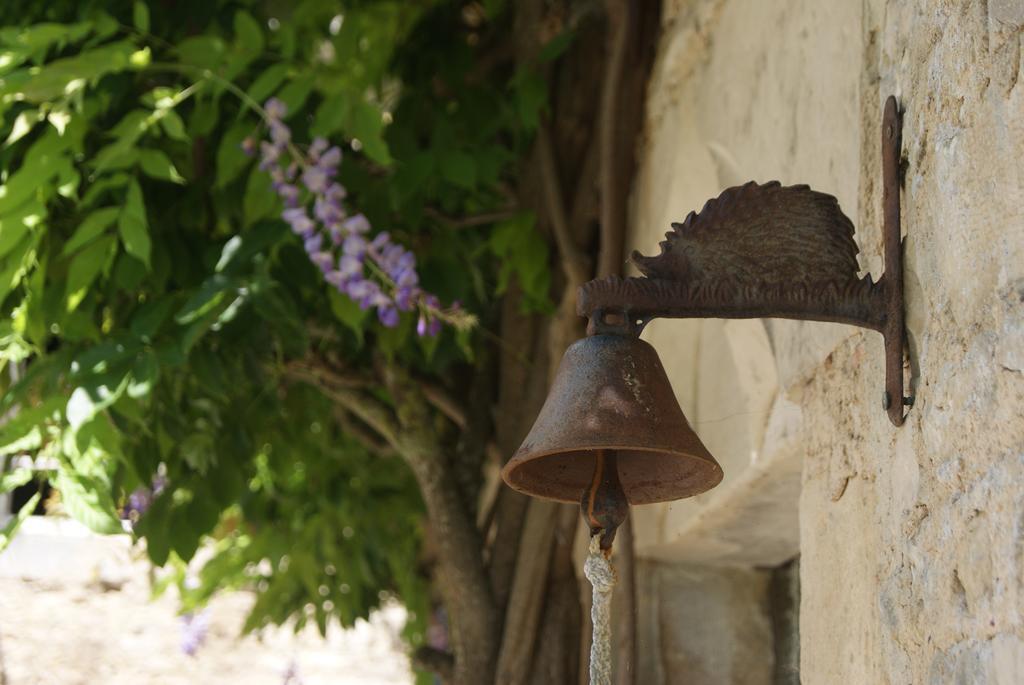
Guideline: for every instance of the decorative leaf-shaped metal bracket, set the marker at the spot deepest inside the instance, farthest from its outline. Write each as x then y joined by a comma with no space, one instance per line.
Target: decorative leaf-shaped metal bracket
770,251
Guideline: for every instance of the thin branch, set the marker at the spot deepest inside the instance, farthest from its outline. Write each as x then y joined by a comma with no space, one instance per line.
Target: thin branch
321,372
366,437
445,403
488,496
373,413
613,234
463,580
586,201
488,508
494,453
529,587
573,262
481,219
367,409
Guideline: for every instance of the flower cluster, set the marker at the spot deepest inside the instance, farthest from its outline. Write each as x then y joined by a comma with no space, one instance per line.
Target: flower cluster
374,271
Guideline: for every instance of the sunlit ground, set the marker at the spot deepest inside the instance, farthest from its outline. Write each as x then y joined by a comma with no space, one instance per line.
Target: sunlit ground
75,609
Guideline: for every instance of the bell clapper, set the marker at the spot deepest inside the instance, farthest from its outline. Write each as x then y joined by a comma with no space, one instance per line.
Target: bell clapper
604,505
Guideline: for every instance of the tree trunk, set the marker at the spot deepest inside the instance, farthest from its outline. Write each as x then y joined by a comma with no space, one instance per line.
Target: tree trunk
511,591
577,182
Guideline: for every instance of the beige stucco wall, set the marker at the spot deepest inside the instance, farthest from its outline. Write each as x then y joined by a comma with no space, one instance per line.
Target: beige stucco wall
911,539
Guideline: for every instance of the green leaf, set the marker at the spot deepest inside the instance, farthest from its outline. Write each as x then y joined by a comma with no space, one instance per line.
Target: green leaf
121,153
556,46
150,317
67,76
156,164
531,97
133,226
11,528
231,161
23,432
332,115
267,82
140,16
13,348
39,38
184,539
114,182
429,345
94,450
87,500
206,52
248,34
206,299
367,126
60,119
294,94
18,262
348,312
14,479
68,179
85,267
103,358
131,126
524,253
203,511
390,340
127,273
280,313
144,374
30,318
88,400
205,115
225,309
259,200
17,224
173,126
23,124
239,250
41,163
91,227
153,526
459,168
140,59
227,254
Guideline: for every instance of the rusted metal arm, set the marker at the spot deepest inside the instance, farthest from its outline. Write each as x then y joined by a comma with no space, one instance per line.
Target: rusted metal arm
769,251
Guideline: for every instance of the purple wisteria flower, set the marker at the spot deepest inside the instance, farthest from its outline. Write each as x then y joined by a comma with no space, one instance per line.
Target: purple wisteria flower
290,674
193,631
376,273
141,499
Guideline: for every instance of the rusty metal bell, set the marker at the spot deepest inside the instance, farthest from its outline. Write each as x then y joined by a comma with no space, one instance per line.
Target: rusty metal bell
611,394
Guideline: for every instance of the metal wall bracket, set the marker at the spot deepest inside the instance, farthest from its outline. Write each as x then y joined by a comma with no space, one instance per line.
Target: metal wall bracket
770,251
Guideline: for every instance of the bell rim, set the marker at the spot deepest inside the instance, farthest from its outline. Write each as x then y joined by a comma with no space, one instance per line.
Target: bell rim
517,460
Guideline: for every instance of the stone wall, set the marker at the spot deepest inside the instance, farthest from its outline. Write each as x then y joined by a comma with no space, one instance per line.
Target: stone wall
910,539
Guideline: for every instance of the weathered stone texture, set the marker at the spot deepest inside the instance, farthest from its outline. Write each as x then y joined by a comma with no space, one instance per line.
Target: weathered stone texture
911,539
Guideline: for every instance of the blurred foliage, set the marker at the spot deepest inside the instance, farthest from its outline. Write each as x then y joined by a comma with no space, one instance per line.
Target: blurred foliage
152,298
